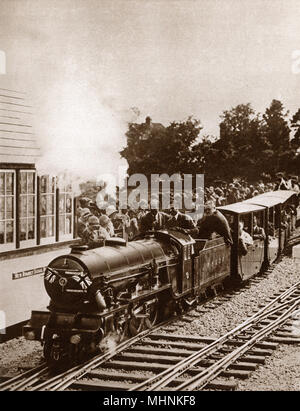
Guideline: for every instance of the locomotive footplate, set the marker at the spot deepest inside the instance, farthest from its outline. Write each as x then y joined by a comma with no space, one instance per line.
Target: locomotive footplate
140,295
68,323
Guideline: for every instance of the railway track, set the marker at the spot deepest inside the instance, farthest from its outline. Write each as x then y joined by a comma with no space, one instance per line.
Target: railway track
178,362
39,378
157,359
129,365
35,378
206,364
21,381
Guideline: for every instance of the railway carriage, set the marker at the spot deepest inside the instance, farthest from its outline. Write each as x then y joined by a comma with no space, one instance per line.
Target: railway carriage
245,266
277,230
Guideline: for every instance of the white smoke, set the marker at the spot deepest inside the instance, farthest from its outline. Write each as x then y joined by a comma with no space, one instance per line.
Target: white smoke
109,343
81,134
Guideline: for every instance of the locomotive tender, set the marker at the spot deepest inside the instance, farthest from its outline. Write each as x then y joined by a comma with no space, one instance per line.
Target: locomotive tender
122,288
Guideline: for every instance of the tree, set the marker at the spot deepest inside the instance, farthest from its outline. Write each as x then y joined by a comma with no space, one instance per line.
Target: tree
241,143
295,124
277,133
155,149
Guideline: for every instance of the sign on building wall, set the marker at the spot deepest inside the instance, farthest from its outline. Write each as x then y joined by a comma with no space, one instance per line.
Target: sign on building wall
28,273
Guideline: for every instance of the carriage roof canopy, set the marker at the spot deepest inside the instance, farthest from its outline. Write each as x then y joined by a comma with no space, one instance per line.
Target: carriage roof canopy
271,198
241,208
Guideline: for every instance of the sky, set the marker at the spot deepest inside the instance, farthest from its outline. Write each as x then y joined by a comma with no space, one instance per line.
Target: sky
85,63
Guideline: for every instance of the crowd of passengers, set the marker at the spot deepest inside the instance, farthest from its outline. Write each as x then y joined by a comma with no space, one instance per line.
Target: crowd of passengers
96,225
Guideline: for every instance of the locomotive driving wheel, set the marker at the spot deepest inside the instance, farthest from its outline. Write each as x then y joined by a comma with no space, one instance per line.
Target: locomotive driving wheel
121,327
136,322
143,316
152,313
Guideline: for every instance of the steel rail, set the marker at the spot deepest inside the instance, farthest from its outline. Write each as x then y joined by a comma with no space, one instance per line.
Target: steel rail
178,369
64,380
203,378
22,380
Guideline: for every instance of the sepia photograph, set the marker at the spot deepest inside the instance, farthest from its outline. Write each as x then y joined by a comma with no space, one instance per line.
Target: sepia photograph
149,198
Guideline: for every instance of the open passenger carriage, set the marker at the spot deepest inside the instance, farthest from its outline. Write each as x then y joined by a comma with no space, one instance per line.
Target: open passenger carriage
245,266
281,213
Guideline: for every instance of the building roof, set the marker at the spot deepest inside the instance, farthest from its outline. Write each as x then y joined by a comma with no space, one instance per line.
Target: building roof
17,139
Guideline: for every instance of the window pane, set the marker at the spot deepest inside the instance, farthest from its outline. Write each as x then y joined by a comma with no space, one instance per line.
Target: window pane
69,204
47,227
27,205
23,206
2,187
9,183
31,228
43,205
23,183
1,232
50,204
50,226
69,224
62,224
7,211
43,227
9,208
43,187
9,232
31,206
30,183
2,209
23,233
52,185
62,203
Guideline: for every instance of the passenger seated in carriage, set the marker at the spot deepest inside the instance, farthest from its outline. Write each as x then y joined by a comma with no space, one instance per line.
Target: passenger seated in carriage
258,232
271,229
95,235
245,239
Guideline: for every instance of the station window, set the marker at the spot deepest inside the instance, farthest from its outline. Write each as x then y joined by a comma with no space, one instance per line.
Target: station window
27,206
31,215
47,208
65,212
7,210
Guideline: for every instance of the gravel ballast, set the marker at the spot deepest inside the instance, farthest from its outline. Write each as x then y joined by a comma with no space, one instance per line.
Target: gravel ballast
280,372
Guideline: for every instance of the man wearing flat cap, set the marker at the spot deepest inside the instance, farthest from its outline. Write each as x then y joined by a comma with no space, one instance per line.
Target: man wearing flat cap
181,222
154,219
214,222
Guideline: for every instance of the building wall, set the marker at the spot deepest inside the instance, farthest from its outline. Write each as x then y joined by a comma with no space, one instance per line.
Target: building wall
36,214
18,143
22,285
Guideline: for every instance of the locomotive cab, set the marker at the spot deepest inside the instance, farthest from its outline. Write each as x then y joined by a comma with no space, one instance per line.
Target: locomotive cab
183,281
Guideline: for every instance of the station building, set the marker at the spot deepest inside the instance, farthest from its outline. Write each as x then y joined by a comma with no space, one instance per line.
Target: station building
37,219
